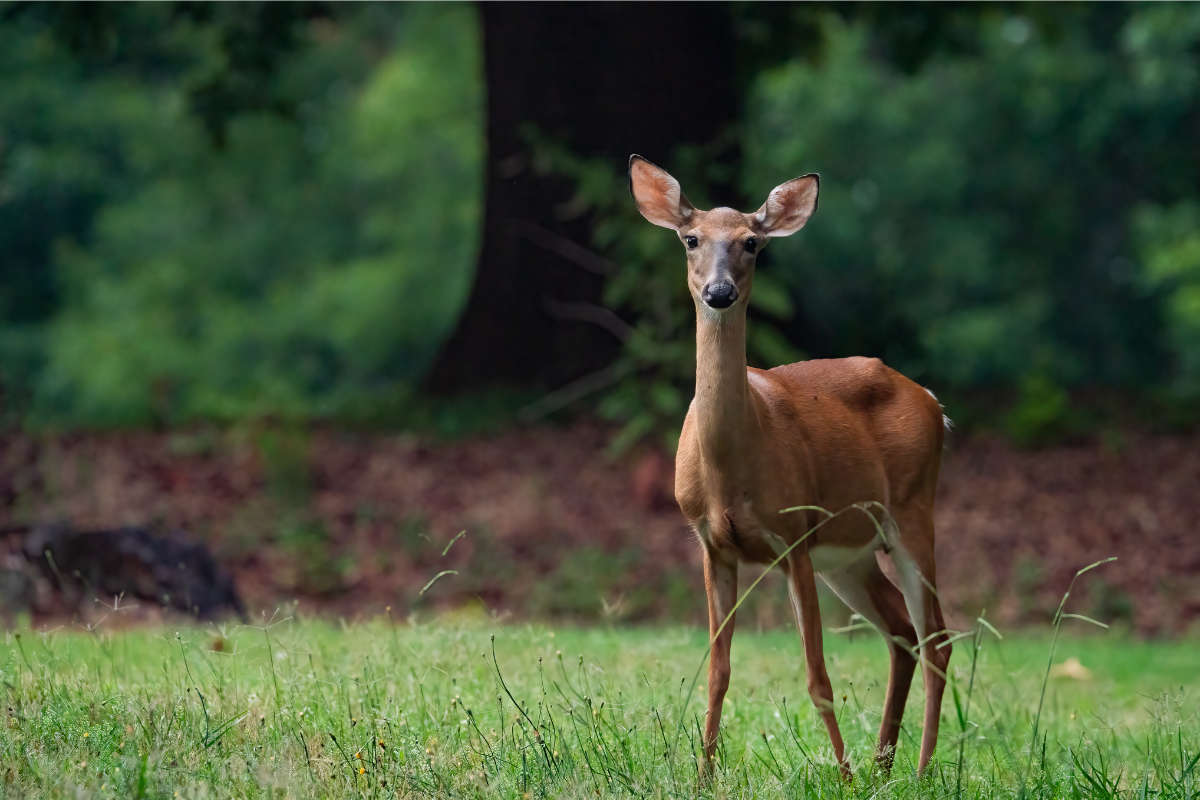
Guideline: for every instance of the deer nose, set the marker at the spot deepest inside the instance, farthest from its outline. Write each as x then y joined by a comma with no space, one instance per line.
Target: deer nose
719,295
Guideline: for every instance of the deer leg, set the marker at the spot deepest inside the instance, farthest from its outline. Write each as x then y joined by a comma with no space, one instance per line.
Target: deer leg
720,581
914,563
867,591
902,639
802,589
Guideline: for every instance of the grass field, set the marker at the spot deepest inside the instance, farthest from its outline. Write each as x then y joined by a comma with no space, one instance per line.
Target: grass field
318,709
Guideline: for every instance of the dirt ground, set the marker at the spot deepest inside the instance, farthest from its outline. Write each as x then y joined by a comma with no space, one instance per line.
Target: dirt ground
353,524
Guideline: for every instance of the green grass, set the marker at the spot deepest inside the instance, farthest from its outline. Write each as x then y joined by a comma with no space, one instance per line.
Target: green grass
315,709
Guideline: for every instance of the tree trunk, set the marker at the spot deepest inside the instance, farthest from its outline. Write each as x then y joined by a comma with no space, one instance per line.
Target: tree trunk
607,79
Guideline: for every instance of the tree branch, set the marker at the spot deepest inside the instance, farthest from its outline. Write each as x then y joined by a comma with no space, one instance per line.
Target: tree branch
590,312
577,254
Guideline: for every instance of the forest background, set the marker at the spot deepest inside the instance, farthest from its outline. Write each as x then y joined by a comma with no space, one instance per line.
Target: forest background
277,246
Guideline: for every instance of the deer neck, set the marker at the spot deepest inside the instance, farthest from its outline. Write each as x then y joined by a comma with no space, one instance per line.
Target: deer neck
723,408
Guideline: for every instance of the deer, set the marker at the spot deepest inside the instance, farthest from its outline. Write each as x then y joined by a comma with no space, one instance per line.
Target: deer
849,449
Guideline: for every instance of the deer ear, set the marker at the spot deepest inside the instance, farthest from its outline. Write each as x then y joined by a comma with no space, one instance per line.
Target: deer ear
790,205
657,194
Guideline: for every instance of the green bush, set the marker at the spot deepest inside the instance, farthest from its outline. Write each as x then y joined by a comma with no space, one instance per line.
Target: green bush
974,214
70,141
1169,240
1011,221
307,268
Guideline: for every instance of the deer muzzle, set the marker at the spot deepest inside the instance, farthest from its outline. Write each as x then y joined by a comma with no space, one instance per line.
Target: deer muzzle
719,295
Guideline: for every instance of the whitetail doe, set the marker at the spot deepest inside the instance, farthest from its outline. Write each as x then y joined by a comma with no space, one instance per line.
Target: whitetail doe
833,434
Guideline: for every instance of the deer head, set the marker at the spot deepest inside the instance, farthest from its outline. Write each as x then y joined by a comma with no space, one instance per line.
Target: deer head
722,244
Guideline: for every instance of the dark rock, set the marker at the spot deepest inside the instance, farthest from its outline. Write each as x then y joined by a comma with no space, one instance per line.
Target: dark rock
169,570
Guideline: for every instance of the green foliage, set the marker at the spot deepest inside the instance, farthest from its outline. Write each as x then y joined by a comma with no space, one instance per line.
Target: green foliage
248,211
67,145
307,268
975,218
1169,247
973,221
1041,413
655,375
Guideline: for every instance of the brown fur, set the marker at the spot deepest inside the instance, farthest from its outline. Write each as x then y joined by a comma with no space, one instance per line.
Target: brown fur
830,433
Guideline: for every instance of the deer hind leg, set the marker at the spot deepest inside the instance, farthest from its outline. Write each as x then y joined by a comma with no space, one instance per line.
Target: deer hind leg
863,586
802,590
720,581
912,557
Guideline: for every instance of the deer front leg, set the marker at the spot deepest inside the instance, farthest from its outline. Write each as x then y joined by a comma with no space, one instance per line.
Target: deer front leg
720,581
802,589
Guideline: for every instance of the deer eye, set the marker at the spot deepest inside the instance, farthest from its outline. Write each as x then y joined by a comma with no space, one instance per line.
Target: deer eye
692,242
751,246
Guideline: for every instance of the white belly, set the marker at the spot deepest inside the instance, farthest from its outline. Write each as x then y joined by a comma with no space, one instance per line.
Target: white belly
826,558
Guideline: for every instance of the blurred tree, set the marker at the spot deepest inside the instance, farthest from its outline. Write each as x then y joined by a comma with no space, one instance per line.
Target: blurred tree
975,212
1168,244
982,166
605,79
62,156
305,267
226,210
76,81
245,42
